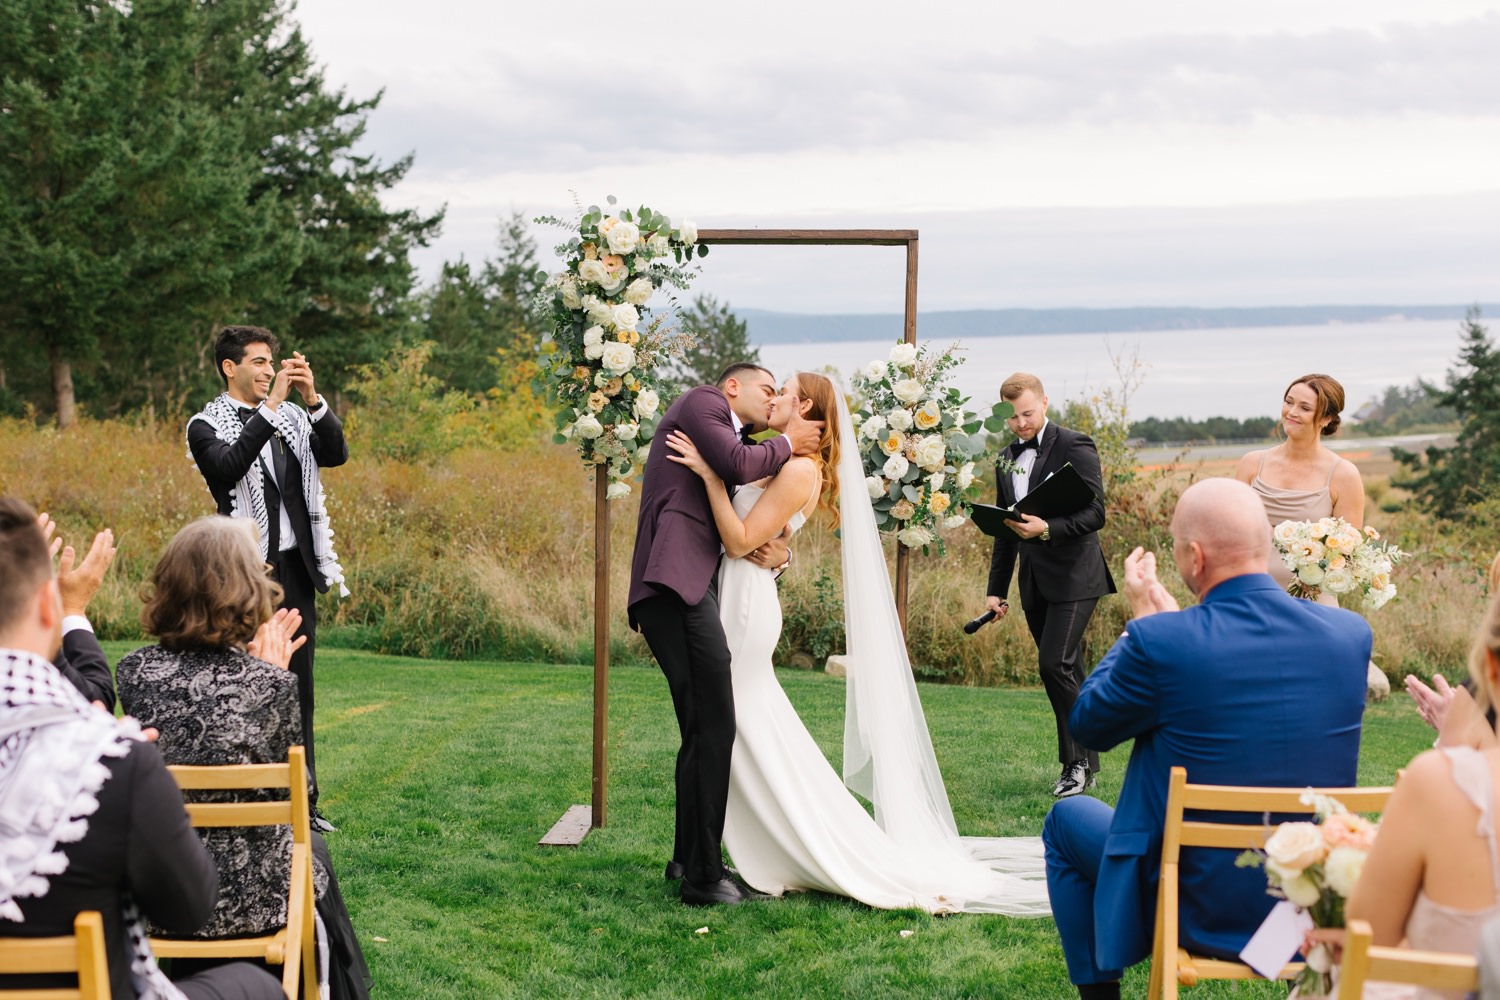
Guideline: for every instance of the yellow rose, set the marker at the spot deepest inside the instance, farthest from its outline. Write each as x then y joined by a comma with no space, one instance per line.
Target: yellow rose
597,401
624,336
928,415
939,502
590,252
893,443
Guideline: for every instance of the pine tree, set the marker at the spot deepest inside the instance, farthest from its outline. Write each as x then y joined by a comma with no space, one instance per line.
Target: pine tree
720,339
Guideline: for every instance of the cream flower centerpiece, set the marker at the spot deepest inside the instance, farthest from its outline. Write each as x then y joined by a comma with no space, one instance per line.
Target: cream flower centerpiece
919,444
604,348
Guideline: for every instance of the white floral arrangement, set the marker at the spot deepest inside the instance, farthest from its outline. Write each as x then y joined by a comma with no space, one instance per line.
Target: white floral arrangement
1331,555
1314,866
919,444
604,348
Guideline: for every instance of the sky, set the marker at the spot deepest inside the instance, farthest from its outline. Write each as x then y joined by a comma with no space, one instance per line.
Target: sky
1089,154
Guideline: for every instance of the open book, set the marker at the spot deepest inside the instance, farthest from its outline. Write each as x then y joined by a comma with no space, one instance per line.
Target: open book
1064,492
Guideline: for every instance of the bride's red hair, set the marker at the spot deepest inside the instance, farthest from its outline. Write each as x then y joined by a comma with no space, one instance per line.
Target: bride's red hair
818,390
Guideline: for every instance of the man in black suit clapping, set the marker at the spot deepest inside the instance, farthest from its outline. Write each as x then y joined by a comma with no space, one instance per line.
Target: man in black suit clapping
1062,571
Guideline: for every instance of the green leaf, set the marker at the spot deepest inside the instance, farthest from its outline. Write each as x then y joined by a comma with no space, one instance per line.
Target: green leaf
913,473
559,439
994,424
911,492
702,249
609,198
1003,409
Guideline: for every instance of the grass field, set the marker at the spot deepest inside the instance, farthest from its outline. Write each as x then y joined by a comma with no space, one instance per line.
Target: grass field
442,776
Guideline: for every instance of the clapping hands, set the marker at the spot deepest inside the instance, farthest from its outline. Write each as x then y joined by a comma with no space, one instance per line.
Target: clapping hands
295,373
274,640
1143,590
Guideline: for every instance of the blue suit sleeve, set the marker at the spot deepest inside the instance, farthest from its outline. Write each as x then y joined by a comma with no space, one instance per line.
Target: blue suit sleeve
1120,700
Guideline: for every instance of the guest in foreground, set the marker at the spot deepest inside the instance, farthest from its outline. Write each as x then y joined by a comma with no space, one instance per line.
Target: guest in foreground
260,455
1435,885
217,689
1062,572
1223,689
121,844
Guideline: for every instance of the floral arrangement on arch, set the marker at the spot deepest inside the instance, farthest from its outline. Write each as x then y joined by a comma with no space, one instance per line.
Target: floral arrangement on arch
919,444
1332,555
1314,867
604,346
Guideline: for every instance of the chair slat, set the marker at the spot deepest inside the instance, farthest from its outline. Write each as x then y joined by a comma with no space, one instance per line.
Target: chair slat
81,954
220,814
197,777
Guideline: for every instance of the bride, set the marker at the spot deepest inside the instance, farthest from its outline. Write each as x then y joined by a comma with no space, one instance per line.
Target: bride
791,823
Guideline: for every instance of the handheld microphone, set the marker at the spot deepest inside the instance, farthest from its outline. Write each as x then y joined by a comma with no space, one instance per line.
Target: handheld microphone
974,626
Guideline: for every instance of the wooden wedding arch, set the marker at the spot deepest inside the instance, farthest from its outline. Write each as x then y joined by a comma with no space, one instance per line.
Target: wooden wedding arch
579,819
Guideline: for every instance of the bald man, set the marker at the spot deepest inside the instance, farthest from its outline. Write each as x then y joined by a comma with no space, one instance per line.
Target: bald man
1248,687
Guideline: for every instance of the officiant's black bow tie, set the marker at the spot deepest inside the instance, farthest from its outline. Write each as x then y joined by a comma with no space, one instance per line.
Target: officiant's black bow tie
1018,446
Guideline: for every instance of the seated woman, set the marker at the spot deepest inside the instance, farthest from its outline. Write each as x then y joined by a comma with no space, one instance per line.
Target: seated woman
91,818
217,689
1435,885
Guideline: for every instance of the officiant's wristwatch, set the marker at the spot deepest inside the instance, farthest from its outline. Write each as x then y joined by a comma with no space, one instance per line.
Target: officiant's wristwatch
1046,534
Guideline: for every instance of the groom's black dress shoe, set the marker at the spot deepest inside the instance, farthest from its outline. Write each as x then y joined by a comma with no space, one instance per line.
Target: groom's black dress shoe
725,892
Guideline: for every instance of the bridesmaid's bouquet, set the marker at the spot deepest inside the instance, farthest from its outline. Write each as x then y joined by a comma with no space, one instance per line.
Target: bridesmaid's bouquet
1314,867
1331,555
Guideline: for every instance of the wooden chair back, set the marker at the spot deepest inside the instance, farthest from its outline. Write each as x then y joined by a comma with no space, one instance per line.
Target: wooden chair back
81,953
1366,962
1172,965
292,946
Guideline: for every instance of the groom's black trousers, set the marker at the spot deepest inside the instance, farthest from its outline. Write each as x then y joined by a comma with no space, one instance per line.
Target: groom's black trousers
689,645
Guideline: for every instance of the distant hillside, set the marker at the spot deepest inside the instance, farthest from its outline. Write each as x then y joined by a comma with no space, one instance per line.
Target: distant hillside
790,328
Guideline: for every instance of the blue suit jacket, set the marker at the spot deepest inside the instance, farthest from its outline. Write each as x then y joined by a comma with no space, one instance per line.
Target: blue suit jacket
1249,687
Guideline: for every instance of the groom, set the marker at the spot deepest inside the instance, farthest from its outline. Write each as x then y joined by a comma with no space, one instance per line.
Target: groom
674,599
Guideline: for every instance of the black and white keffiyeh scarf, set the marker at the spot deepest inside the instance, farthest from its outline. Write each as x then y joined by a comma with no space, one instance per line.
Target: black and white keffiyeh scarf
52,746
249,496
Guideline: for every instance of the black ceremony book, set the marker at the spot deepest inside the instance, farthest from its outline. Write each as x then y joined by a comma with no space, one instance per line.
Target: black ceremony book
1063,492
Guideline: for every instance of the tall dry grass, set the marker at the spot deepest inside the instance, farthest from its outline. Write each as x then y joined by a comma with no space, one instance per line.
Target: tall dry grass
489,553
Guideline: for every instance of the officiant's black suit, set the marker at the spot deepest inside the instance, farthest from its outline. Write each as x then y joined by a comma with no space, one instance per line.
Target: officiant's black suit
223,466
1061,579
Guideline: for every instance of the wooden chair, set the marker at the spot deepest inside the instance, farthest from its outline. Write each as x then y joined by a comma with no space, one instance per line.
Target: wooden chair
1433,969
81,952
290,947
1171,964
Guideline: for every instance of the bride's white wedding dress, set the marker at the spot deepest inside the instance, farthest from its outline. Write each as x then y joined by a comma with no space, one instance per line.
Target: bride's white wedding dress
791,823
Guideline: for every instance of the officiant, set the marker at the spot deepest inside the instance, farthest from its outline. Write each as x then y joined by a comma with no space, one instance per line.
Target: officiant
1062,572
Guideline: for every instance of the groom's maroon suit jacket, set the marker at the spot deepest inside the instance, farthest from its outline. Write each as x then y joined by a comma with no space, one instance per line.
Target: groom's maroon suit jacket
676,543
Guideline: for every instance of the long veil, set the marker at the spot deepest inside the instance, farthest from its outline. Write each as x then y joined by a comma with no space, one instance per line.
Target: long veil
888,756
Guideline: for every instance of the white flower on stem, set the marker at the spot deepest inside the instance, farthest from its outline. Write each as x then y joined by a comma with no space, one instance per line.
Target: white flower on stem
639,291
903,355
965,477
896,466
593,351
899,419
588,427
875,371
873,427
599,311
658,245
876,486
1294,846
594,272
1302,891
688,232
625,316
1310,574
627,432
570,297
908,390
956,521
1341,869
931,453
914,536
1338,581
646,403
620,235
593,336
616,490
935,481
617,357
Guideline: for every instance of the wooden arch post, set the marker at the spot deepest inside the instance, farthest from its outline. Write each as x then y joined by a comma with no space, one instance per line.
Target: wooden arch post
579,819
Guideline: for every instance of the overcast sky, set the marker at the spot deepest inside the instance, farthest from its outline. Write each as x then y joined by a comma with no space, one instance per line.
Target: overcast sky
1084,154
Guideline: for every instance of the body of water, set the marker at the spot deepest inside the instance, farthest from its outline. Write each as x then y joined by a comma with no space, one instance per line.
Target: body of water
1182,373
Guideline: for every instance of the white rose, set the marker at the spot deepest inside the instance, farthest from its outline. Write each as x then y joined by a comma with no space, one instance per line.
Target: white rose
1302,891
875,371
1294,846
876,486
593,351
1286,532
621,236
931,453
903,355
908,390
688,232
646,403
599,311
588,427
617,490
639,291
617,357
899,420
626,432
570,297
625,316
896,466
593,335
1338,581
935,481
873,427
914,537
594,272
1310,574
956,521
1342,867
1319,957
658,245
965,476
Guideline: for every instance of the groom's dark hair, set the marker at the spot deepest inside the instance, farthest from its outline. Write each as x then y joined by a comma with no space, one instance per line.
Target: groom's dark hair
232,343
739,367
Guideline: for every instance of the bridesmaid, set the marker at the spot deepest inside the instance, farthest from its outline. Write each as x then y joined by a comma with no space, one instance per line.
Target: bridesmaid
1301,479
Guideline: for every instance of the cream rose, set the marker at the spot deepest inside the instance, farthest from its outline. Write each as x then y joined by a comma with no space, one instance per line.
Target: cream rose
956,521
614,491
939,503
928,415
893,443
570,297
873,427
903,355
593,351
588,427
914,536
931,453
896,466
965,477
626,432
593,335
908,390
639,291
899,419
875,371
936,480
599,311
876,487
658,245
688,232
618,358
1338,581
625,316
621,236
1294,846
594,272
1310,574
646,403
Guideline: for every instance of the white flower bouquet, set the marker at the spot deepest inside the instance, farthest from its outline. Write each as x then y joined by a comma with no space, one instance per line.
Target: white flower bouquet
1331,555
1314,866
604,349
919,444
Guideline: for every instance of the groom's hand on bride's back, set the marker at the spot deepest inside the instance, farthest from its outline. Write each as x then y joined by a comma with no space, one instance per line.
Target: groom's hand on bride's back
803,434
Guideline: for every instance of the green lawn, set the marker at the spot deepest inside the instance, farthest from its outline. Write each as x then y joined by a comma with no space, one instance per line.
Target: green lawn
442,777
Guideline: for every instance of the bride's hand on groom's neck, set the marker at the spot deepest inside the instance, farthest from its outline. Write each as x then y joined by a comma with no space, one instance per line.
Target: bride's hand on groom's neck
803,434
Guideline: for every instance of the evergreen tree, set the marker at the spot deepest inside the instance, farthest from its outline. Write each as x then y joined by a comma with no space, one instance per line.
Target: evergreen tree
720,339
1451,481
